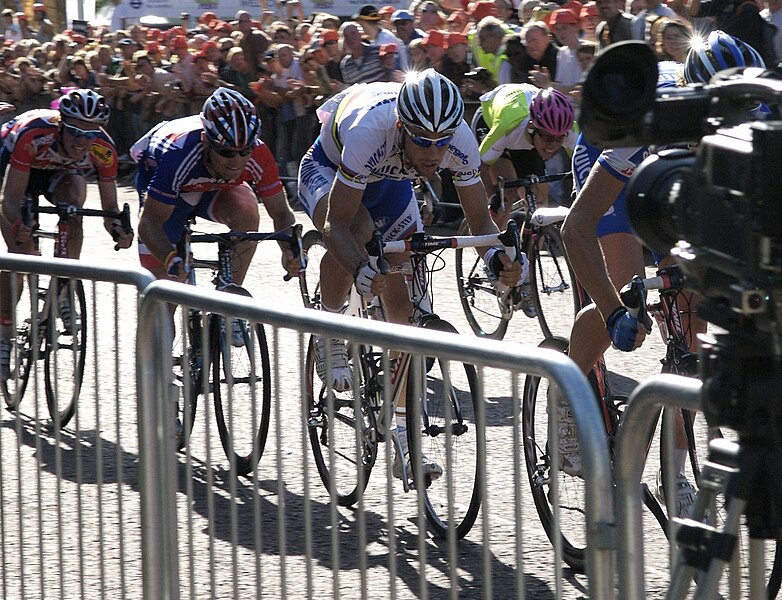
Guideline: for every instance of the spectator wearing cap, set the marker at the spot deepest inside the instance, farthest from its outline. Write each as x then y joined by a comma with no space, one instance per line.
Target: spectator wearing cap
456,21
565,26
318,61
369,18
615,24
653,7
24,26
361,63
254,42
77,74
8,29
541,52
388,59
434,44
488,50
506,12
237,74
454,63
325,21
526,7
417,52
330,40
589,18
406,31
23,83
428,16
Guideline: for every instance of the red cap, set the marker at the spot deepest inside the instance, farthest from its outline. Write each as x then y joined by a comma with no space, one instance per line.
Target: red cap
206,17
589,10
435,37
563,16
456,38
388,49
177,42
458,16
39,6
153,46
387,11
574,5
482,9
20,16
328,35
209,45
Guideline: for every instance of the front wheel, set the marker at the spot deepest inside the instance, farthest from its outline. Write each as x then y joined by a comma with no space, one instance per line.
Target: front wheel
444,411
537,456
66,347
552,283
241,377
343,437
487,314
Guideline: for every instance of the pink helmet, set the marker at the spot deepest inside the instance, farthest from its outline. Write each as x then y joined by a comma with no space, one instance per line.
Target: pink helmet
552,112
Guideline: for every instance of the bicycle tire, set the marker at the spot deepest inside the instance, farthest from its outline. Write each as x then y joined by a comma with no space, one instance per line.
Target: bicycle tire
552,283
187,384
236,373
454,499
345,464
313,245
66,350
485,312
24,340
535,424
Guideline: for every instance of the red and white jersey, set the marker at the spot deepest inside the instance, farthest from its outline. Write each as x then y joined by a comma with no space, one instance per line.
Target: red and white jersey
32,141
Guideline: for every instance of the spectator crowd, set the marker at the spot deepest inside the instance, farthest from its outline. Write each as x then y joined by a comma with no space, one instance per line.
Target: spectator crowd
289,65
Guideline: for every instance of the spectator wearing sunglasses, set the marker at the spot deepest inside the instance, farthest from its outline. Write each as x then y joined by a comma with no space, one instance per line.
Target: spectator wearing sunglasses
375,140
212,165
50,153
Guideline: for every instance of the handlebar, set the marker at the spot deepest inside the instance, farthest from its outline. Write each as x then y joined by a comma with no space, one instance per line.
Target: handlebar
525,182
633,295
65,211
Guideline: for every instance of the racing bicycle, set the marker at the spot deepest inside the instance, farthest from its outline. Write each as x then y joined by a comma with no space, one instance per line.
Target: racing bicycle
489,306
50,321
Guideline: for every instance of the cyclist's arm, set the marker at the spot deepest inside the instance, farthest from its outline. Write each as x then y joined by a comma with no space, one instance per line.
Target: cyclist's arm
13,230
475,206
282,216
579,233
150,229
108,201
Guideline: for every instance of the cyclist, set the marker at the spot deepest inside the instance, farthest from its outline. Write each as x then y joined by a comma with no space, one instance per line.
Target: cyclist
357,176
52,153
519,127
211,165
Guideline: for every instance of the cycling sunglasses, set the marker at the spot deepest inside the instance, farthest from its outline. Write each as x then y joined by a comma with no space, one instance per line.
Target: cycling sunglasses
77,132
425,142
232,152
549,138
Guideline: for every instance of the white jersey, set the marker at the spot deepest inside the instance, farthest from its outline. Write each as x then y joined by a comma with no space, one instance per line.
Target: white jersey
360,135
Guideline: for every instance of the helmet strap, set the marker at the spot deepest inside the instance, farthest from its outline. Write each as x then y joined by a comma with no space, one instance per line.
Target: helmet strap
207,161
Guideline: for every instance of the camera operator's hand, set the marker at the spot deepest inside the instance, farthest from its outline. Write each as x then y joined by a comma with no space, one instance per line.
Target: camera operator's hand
625,331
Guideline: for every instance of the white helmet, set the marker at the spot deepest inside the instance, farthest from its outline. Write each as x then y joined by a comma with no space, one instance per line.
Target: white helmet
430,101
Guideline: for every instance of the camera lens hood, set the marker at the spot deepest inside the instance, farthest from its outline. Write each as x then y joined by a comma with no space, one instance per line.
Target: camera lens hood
619,90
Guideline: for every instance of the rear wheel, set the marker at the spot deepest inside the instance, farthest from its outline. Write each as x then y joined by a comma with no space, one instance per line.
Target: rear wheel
241,377
552,283
29,336
343,437
487,315
188,365
66,348
444,412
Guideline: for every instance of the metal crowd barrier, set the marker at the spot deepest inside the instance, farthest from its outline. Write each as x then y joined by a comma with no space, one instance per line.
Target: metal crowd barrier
275,533
105,508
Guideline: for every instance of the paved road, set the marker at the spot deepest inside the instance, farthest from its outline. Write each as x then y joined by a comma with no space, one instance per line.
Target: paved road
223,553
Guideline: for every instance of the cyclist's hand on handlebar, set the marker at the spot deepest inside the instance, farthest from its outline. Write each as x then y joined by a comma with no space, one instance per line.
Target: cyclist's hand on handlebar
626,332
291,263
369,282
22,233
510,272
117,232
176,267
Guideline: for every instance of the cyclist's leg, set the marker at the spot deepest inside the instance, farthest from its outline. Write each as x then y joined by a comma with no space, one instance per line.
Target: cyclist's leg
70,187
237,207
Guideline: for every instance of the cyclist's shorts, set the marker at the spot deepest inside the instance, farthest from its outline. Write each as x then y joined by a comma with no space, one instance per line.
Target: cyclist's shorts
525,162
615,219
175,224
391,203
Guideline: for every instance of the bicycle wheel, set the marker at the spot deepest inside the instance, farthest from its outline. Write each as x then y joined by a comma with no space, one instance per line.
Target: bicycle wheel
535,428
188,362
241,377
444,412
313,245
487,315
552,283
344,444
66,348
27,342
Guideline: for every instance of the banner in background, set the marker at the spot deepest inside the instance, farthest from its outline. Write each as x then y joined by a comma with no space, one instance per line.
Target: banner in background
226,9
